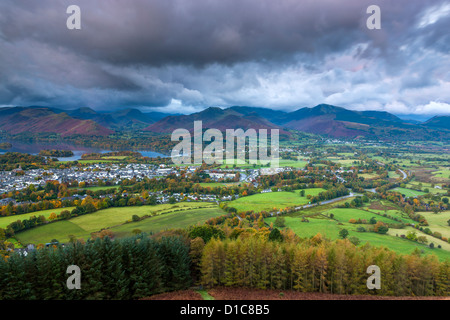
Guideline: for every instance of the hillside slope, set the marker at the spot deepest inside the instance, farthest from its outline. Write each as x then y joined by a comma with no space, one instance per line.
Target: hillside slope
18,120
216,118
438,122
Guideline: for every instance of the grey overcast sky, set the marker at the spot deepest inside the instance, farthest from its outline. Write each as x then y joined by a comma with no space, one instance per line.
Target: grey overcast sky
186,55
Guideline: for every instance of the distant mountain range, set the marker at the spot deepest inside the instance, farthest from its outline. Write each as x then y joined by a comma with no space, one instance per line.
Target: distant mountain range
326,120
323,119
18,120
439,122
217,118
126,118
81,121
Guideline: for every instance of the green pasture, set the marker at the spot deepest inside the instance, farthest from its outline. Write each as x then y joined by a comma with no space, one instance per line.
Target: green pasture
181,219
5,221
425,185
409,192
97,188
270,200
393,175
444,244
442,174
345,214
301,163
330,229
83,226
88,161
438,222
368,176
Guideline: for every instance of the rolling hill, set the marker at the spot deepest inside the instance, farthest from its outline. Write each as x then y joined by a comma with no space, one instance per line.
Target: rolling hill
326,120
323,119
117,120
438,122
18,120
216,118
339,122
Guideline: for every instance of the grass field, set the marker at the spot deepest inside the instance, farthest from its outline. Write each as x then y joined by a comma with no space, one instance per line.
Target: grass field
97,188
330,229
393,175
292,163
368,176
444,244
346,154
58,230
409,192
345,214
415,185
89,161
115,158
301,163
438,222
346,162
5,221
271,200
218,184
84,225
181,219
320,223
443,174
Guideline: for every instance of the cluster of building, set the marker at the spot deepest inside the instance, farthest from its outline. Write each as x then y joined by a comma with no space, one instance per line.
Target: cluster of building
113,173
18,179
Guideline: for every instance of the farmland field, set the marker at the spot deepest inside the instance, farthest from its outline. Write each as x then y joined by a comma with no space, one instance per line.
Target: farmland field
218,184
301,163
409,192
444,244
346,162
180,219
415,185
96,188
438,222
88,161
344,215
368,176
270,200
330,229
393,175
59,230
84,225
443,174
5,221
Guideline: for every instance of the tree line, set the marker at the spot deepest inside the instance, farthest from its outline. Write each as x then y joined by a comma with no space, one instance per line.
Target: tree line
319,265
121,269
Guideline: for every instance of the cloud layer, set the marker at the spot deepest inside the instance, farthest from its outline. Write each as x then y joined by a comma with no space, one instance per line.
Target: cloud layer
183,56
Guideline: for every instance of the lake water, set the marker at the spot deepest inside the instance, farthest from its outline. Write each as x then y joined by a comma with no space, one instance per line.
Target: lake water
34,148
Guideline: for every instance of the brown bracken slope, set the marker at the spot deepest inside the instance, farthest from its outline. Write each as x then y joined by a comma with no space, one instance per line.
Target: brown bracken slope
37,120
259,294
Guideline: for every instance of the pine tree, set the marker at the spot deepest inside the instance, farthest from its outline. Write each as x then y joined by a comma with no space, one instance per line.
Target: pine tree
93,273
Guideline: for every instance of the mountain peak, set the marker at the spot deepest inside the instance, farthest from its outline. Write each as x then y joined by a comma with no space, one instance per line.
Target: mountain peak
38,120
85,110
438,122
327,108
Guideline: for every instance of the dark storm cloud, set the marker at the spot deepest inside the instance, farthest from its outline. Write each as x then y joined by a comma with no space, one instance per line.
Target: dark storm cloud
181,53
197,32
